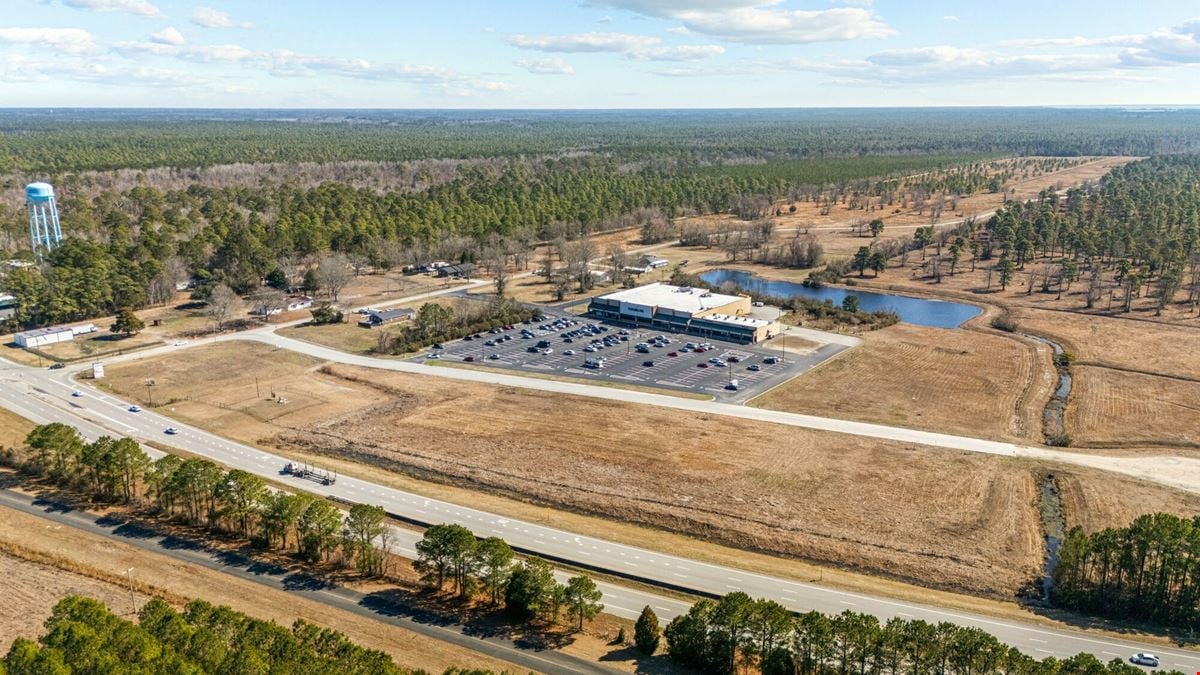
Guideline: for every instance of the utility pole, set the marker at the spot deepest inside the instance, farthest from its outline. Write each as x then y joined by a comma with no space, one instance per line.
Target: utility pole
149,393
132,602
257,392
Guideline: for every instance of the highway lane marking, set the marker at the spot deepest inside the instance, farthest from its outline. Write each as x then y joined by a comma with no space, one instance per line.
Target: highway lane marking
847,602
1037,640
973,619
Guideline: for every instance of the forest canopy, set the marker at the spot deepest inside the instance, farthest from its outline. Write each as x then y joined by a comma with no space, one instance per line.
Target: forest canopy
52,142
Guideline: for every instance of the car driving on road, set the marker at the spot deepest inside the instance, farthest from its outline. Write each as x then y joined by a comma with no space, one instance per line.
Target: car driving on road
135,408
1144,659
171,431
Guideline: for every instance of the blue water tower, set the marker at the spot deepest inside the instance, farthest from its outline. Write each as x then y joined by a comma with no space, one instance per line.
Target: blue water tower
44,231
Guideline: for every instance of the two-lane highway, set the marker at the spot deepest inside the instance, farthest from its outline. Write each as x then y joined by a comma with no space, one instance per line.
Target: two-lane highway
46,396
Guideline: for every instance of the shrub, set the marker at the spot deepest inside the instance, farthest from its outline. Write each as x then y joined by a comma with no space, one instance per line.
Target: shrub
1005,323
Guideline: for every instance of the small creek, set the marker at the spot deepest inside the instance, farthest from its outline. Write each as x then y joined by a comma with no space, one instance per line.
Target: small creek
1054,530
1053,426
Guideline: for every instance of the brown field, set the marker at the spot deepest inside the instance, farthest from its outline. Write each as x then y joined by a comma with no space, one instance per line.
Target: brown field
954,381
33,589
1117,408
93,565
13,429
348,337
950,520
1123,343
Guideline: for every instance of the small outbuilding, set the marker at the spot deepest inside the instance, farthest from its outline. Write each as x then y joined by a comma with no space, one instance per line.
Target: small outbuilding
382,317
40,337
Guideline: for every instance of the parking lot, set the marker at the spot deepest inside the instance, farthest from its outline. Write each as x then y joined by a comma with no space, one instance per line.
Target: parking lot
727,371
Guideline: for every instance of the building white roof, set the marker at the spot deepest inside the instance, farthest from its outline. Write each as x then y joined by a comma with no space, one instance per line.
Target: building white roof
677,298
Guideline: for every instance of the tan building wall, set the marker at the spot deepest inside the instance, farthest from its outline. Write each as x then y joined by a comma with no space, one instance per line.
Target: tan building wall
740,307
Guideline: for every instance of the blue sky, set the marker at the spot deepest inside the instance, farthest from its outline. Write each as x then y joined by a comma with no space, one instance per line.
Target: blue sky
597,53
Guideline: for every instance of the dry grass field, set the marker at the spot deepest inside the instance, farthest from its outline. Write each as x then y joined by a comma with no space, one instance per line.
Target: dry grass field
228,387
13,429
1123,343
956,521
1111,408
33,589
80,562
953,381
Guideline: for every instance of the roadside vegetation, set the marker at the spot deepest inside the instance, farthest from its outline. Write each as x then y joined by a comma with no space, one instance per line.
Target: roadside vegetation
1148,571
737,634
84,636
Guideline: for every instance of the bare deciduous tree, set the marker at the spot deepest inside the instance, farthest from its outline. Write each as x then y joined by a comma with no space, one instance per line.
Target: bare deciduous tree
333,274
222,303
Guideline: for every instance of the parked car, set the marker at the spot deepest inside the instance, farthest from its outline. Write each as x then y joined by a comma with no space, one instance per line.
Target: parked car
469,359
434,356
701,365
771,360
547,350
494,357
77,393
569,352
1144,659
699,350
754,367
672,353
648,364
733,359
438,345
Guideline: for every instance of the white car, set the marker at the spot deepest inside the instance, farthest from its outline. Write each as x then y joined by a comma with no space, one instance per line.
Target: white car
171,431
434,356
547,350
569,352
77,393
1144,659
135,408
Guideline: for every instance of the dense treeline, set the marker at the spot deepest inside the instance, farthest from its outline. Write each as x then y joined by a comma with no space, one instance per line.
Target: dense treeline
83,636
131,249
1140,226
1147,571
736,633
201,493
60,141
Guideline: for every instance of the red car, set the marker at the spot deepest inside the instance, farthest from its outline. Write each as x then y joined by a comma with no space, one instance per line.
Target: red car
469,359
699,350
672,353
701,365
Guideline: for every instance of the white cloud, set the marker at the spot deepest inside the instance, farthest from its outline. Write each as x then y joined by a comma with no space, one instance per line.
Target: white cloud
168,36
16,68
761,21
548,66
583,42
680,53
1177,45
951,18
65,40
669,9
215,18
194,53
139,7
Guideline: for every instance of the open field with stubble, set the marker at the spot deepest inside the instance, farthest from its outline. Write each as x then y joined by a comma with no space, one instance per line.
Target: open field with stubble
950,520
953,381
1114,408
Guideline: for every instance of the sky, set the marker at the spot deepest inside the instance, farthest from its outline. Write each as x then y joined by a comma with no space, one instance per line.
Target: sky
597,53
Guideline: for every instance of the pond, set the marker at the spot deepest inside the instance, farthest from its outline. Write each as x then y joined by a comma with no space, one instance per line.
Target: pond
920,311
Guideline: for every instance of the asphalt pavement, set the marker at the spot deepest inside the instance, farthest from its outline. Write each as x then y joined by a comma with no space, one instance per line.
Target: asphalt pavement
313,588
46,396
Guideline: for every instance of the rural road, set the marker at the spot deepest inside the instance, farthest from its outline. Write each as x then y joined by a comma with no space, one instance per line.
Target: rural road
298,583
44,396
